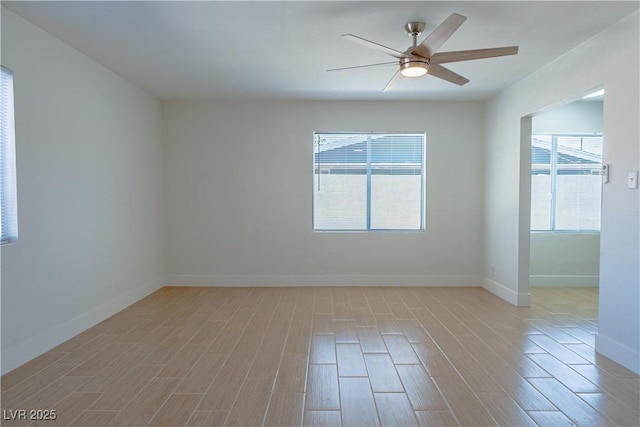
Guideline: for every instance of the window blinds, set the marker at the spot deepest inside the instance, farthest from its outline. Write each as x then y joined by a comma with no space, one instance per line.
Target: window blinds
8,205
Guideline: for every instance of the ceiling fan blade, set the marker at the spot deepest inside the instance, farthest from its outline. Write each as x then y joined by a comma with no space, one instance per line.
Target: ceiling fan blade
374,45
397,77
441,34
467,55
364,66
437,70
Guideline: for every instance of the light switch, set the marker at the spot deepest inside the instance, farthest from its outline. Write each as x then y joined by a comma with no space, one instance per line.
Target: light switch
632,180
605,173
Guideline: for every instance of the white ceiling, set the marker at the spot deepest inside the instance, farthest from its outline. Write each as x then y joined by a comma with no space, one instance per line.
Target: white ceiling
264,49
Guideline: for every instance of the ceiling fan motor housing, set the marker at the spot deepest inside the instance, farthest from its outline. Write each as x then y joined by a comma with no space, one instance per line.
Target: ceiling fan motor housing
413,66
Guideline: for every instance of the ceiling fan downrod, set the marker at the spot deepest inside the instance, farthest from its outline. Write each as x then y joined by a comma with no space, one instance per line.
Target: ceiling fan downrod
414,29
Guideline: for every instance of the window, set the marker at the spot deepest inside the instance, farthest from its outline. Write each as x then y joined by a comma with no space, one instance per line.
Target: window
368,181
566,182
8,206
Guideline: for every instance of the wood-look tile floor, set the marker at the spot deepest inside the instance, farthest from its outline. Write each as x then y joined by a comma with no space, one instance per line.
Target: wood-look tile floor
332,356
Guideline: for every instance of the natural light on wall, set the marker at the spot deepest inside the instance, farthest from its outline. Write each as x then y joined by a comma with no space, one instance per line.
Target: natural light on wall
368,181
8,204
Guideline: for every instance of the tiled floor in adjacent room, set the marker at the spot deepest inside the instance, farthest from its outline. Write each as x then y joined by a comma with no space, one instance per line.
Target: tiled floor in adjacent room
333,356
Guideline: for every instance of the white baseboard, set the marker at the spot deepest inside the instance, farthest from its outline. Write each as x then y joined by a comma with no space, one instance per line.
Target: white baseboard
45,341
321,280
618,352
564,281
509,295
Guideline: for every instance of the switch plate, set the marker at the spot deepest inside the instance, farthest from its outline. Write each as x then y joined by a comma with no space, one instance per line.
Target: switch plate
605,173
632,180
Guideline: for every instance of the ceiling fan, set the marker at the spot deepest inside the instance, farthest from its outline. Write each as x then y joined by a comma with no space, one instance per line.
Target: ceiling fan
424,58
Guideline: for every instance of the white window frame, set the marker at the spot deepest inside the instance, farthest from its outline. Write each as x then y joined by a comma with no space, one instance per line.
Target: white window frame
553,174
8,193
369,228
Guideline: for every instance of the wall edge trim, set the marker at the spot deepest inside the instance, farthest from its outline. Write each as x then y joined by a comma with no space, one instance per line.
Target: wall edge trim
322,280
509,295
25,351
564,280
618,352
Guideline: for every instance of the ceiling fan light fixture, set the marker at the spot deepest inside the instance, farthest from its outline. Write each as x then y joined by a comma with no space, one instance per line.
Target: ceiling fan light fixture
414,71
410,67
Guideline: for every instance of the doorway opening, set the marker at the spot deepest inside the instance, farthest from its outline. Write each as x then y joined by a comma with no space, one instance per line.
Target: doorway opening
566,196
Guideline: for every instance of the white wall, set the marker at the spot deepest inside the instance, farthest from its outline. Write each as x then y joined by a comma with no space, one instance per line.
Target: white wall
567,259
507,158
574,117
238,196
89,161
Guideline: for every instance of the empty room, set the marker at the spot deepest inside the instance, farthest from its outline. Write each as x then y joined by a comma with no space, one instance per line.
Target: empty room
320,213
